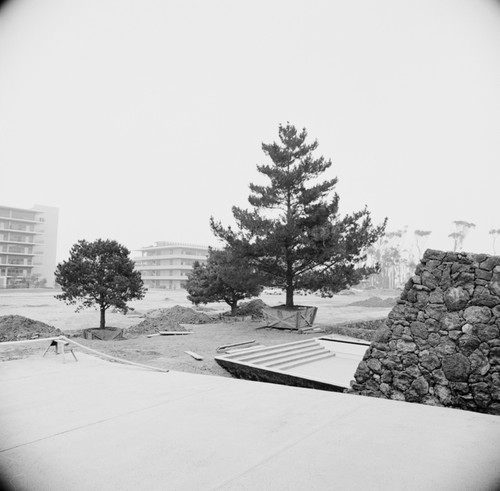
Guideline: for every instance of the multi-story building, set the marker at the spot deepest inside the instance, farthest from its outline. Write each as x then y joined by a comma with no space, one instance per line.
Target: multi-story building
167,264
28,242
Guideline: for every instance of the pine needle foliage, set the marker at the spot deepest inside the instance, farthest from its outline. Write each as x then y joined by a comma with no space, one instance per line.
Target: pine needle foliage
293,233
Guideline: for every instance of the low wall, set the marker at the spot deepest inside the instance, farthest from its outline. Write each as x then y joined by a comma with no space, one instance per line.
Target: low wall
441,342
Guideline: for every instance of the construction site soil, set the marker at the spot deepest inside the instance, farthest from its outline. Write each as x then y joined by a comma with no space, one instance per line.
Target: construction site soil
207,331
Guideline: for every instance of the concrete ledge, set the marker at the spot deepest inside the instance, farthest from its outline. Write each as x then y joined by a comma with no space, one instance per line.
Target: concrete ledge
98,425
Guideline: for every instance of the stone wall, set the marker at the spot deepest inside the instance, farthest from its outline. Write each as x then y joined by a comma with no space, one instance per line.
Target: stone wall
441,342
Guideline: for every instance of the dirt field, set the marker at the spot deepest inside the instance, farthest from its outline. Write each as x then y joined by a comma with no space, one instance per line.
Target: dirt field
169,351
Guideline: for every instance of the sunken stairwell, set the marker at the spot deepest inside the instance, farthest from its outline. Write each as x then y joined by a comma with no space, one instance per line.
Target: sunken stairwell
283,357
441,342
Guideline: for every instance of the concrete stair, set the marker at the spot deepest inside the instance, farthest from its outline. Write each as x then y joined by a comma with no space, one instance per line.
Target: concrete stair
283,357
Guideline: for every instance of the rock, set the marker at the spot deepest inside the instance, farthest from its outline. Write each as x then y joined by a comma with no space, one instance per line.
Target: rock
481,274
420,386
495,356
419,329
483,297
480,392
456,298
405,347
479,362
468,343
441,342
430,361
477,314
436,296
431,254
434,339
374,365
490,263
495,283
444,394
456,367
435,311
422,299
450,321
486,332
429,280
446,347
401,381
467,328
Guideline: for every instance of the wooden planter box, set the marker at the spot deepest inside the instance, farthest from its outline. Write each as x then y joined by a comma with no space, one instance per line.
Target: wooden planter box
107,334
282,317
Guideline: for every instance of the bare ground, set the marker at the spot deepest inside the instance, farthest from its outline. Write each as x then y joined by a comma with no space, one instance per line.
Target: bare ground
169,351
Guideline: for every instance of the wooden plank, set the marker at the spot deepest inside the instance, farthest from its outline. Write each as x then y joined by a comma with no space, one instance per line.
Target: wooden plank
225,346
174,333
194,355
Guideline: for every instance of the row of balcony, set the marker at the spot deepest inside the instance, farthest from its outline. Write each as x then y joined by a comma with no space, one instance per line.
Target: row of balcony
21,242
6,252
10,228
173,277
14,265
164,267
170,256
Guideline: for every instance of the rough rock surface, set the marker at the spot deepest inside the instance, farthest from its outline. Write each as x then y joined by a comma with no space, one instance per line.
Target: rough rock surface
17,327
168,320
441,343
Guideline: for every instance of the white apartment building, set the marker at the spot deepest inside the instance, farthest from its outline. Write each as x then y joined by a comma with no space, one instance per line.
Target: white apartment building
167,264
28,242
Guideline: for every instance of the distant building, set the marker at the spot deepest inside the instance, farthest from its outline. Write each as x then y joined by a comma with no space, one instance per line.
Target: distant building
28,242
167,264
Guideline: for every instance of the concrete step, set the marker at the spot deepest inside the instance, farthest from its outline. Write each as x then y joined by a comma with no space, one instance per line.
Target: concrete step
269,349
296,357
297,363
259,353
288,355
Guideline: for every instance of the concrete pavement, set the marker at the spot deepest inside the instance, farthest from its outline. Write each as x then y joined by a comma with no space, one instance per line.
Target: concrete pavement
95,425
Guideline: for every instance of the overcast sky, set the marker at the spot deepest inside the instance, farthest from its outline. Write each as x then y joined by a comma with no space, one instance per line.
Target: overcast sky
140,120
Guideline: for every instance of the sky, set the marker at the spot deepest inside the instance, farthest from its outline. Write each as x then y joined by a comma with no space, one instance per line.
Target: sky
141,120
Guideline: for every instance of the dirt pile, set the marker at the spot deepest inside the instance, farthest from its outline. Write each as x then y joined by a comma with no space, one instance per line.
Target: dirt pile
375,302
253,308
168,320
17,327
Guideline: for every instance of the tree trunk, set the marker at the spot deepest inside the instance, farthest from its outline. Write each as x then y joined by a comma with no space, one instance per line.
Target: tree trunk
289,285
234,307
103,319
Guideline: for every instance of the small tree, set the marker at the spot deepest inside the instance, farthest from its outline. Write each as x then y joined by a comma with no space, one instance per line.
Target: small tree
494,232
99,273
421,237
294,234
225,277
461,230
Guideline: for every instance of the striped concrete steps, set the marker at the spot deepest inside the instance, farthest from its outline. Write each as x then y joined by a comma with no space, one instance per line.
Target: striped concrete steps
298,363
271,352
280,358
283,357
267,349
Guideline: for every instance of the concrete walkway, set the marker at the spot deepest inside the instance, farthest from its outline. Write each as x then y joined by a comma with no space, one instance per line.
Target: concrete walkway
95,425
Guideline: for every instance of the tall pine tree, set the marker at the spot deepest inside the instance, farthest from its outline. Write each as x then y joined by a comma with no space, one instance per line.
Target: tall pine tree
293,234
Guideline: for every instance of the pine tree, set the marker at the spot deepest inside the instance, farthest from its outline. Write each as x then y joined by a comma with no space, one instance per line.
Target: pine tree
224,278
293,234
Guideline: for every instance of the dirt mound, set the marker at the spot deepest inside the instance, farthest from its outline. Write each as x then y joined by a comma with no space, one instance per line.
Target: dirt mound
168,320
17,327
253,308
375,302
